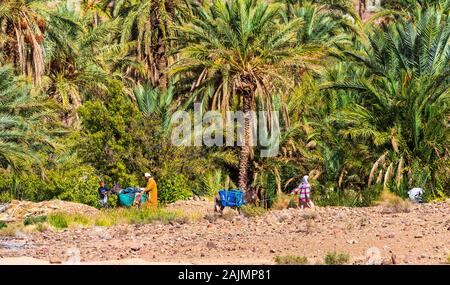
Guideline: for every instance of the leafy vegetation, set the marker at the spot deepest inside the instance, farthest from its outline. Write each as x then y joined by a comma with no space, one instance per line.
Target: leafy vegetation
334,258
172,188
110,217
87,94
34,220
291,260
252,211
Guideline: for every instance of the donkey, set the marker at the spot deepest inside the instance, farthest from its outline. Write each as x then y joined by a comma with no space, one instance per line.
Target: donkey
249,197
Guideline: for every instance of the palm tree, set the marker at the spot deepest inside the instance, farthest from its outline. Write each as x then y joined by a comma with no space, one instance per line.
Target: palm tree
320,25
239,49
155,103
23,130
148,23
403,109
24,23
411,5
82,58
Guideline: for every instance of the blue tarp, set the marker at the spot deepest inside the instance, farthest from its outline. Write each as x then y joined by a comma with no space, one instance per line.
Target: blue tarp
126,196
231,198
130,190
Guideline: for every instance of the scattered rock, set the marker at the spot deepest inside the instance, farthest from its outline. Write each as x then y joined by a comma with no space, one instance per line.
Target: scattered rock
55,260
424,255
373,256
394,259
73,256
408,259
135,247
211,244
20,235
19,210
352,241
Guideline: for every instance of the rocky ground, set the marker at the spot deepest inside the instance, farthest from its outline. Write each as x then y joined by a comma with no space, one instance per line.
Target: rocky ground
19,210
369,235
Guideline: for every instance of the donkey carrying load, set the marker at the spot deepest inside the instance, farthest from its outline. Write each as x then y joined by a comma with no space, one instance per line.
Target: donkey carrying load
232,198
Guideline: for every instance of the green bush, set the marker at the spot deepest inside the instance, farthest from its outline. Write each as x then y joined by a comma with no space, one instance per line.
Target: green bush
41,227
111,217
291,260
5,195
173,188
34,220
115,138
334,258
332,196
68,182
252,211
3,225
58,220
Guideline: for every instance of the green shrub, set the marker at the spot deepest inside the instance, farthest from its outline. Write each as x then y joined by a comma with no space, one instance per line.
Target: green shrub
5,195
334,258
115,138
252,211
104,221
69,182
138,216
34,220
58,220
3,225
332,196
291,260
41,227
173,188
392,203
80,220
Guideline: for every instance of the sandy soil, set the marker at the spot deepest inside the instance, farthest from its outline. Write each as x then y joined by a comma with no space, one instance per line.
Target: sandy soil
369,235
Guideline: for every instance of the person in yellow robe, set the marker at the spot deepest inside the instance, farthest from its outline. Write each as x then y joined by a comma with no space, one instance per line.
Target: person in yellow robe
151,190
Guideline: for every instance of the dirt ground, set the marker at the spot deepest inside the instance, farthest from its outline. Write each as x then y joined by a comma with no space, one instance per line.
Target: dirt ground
368,235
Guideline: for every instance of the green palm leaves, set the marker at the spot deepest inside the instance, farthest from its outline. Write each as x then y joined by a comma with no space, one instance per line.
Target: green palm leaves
156,103
22,132
240,51
149,25
403,108
230,46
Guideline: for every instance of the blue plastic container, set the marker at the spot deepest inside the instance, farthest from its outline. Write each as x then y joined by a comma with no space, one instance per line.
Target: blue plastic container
232,198
128,199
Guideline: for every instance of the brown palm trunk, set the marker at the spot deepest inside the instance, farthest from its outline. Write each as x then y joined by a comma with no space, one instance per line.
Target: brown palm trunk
245,148
161,64
10,47
361,8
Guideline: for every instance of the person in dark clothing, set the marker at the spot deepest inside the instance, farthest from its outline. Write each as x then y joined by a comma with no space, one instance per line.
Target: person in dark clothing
103,192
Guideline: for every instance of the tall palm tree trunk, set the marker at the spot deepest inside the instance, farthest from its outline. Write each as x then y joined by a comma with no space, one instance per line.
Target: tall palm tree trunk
10,48
161,64
245,148
362,7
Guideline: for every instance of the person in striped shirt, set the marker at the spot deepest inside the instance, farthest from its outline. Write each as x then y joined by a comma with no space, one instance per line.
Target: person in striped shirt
303,190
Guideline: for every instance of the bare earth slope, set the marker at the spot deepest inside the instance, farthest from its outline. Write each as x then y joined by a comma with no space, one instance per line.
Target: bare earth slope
421,236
